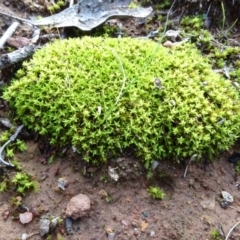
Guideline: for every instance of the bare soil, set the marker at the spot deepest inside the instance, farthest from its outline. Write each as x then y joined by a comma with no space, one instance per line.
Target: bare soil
189,211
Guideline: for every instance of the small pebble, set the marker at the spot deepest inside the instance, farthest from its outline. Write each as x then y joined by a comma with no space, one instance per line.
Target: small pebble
155,165
152,233
6,122
168,44
25,217
224,204
125,223
227,197
44,226
18,42
62,182
145,214
111,236
69,225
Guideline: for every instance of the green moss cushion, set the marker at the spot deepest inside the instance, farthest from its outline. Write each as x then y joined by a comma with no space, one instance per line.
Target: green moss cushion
105,95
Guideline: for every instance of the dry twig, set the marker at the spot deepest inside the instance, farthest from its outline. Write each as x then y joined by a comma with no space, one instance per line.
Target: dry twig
12,138
8,33
192,158
9,59
229,233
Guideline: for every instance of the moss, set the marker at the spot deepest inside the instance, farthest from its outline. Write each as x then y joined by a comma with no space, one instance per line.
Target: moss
105,95
215,235
156,193
192,22
23,183
219,54
56,7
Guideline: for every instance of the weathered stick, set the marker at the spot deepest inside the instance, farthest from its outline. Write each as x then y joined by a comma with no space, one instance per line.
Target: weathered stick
8,33
192,159
16,56
71,2
230,232
49,36
11,139
36,35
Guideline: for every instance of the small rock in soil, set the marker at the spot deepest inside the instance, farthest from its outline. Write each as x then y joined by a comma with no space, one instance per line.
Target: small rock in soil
223,204
108,229
69,225
227,197
111,235
62,182
168,44
18,42
53,223
125,223
44,226
152,233
78,206
155,165
25,217
6,122
112,174
145,214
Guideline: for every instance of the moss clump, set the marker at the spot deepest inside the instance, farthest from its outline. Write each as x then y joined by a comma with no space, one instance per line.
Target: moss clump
56,7
156,193
105,95
23,182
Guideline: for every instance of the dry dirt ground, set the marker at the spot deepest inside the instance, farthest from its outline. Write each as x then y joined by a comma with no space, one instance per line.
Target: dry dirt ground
189,211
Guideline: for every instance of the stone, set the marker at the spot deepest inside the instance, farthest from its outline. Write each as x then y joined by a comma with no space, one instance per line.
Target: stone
227,197
44,226
26,217
78,206
111,236
18,42
152,233
168,44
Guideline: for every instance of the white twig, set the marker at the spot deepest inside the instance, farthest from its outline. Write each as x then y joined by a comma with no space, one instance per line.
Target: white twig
71,2
49,36
11,139
27,236
192,158
36,35
229,233
8,33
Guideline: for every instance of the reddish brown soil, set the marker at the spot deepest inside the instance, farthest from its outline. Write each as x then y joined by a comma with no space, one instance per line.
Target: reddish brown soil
180,215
